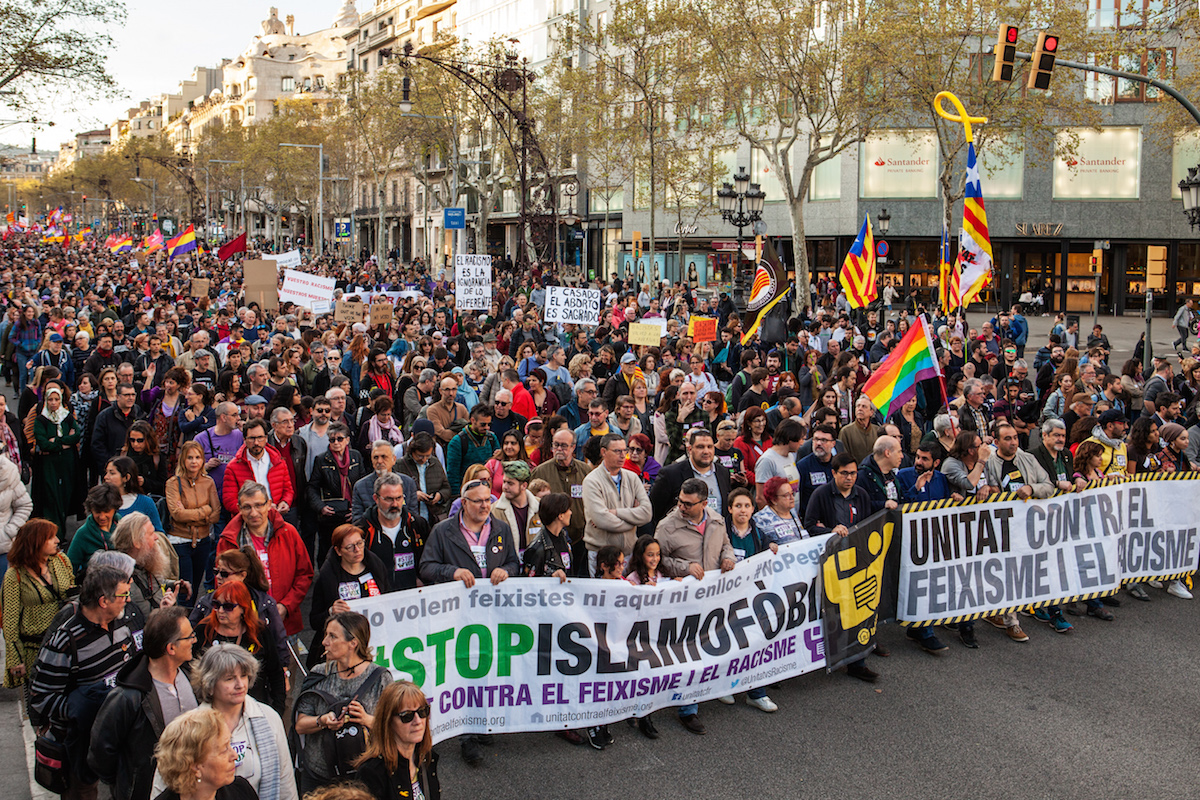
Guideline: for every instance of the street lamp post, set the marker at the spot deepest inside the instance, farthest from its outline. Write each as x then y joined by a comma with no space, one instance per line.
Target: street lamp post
153,194
320,148
241,196
741,204
1189,187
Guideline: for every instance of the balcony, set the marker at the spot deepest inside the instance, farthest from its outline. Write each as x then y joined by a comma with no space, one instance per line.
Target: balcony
433,7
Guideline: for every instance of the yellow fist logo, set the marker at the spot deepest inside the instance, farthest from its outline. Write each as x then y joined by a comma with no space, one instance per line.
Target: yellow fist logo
855,590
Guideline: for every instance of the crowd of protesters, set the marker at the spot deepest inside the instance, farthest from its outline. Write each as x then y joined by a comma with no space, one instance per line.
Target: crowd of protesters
180,476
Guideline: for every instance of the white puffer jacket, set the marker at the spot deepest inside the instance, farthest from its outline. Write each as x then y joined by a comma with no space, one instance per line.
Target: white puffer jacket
15,503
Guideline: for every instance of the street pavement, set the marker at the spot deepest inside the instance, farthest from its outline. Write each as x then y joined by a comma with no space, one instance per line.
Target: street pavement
1109,711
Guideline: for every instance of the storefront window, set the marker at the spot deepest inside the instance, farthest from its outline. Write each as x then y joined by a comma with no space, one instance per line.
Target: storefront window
1188,281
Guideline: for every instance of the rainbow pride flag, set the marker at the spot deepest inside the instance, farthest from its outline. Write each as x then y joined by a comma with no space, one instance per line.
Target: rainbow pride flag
895,379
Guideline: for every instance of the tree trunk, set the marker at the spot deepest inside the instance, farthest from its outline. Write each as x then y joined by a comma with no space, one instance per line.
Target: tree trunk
800,256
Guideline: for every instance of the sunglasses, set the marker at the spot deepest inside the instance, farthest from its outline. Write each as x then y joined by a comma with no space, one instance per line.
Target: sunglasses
226,573
226,607
137,439
407,716
338,438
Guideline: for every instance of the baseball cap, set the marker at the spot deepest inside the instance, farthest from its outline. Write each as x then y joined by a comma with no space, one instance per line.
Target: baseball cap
628,358
56,337
1111,416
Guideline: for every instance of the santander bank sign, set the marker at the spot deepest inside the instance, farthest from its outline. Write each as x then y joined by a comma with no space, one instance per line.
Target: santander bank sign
898,164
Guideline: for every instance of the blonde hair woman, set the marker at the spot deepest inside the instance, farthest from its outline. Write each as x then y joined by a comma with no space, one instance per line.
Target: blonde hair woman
196,759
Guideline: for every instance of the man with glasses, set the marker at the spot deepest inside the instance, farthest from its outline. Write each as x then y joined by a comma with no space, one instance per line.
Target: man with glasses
285,559
471,544
151,691
475,444
78,664
815,469
113,424
255,461
973,414
316,433
835,508
294,451
615,502
504,419
576,412
596,424
693,540
565,474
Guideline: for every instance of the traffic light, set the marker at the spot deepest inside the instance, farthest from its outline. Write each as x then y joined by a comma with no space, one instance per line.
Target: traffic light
1006,53
1042,64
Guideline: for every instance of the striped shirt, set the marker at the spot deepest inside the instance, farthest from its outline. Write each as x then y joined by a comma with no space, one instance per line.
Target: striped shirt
79,653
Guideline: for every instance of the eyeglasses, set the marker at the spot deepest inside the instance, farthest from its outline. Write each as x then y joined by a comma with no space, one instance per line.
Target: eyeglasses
122,596
562,445
847,473
407,716
684,504
338,438
191,637
228,573
636,450
359,545
226,607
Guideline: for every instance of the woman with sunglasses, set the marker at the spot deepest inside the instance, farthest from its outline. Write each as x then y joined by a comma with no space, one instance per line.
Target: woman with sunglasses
234,619
331,486
244,566
141,445
400,761
350,572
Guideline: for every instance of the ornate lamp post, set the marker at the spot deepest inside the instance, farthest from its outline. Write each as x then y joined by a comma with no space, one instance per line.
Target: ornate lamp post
741,205
1189,187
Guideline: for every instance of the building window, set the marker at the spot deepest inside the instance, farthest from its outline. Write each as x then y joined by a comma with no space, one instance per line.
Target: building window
319,82
366,65
250,110
289,84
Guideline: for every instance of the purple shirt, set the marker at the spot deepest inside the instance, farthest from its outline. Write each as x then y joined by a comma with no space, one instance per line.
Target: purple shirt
222,448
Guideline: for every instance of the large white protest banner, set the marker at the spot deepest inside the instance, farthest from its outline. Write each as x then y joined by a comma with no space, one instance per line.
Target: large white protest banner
473,282
532,654
289,259
966,560
570,305
305,290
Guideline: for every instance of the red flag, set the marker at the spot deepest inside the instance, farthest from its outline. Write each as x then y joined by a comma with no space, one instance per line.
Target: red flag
238,245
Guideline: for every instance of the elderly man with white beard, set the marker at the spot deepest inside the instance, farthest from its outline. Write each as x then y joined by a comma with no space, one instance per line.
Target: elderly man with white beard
152,584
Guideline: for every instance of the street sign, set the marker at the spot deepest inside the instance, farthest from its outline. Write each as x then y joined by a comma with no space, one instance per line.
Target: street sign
168,226
882,249
579,234
1100,244
759,229
341,228
454,219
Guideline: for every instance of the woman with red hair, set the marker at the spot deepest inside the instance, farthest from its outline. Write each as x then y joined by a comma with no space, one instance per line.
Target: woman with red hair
639,458
34,589
777,521
235,620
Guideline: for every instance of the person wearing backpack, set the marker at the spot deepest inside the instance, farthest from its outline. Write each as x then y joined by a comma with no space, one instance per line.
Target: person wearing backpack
73,673
337,703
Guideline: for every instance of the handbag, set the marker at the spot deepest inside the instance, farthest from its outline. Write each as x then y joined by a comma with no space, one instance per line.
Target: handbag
51,768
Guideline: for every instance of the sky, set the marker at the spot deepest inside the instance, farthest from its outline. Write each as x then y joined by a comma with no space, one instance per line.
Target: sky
158,47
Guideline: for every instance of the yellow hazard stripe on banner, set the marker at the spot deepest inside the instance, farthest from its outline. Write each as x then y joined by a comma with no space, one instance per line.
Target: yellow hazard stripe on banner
930,505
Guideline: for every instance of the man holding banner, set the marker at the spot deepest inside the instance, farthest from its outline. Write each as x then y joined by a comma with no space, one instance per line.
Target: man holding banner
836,508
693,540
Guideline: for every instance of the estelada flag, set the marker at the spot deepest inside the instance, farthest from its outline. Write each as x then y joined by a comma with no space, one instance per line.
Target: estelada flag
232,248
858,270
770,286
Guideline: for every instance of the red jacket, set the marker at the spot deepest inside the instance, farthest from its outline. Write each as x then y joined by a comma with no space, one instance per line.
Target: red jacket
290,565
238,471
523,402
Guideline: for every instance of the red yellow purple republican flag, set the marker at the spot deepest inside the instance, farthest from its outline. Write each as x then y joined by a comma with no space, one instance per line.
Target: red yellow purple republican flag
858,270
